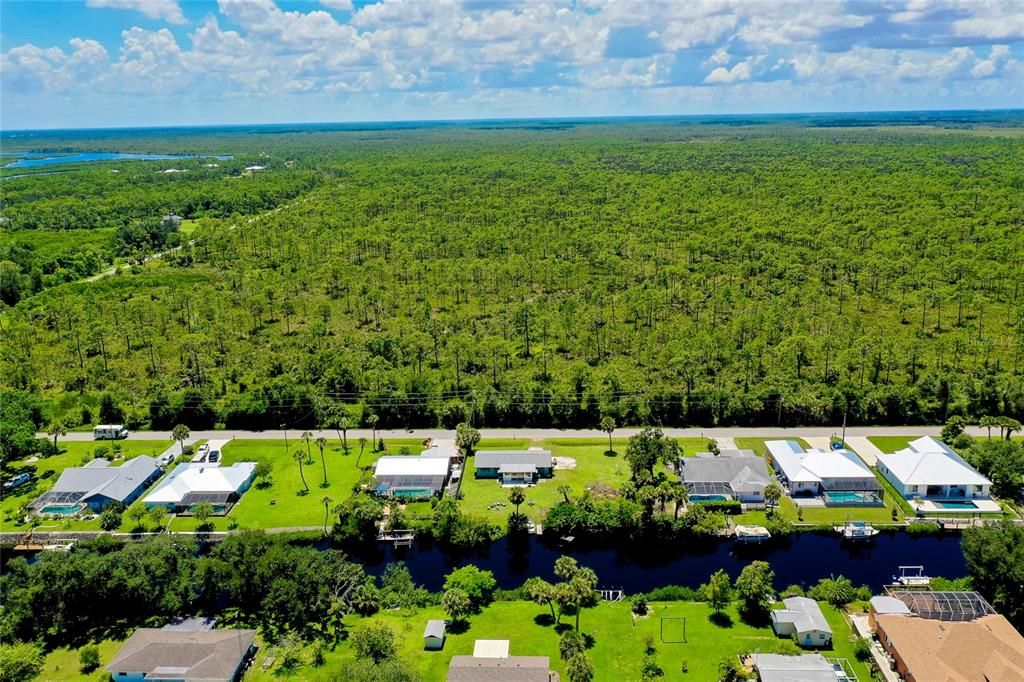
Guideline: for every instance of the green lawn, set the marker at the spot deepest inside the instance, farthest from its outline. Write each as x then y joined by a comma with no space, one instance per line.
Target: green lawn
890,444
284,503
62,664
757,444
47,470
595,464
618,640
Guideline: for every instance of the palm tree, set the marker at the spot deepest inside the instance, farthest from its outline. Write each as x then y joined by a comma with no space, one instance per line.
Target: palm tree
517,496
342,423
564,491
988,422
300,457
372,421
772,494
321,443
680,496
307,436
56,428
326,501
608,425
180,434
362,446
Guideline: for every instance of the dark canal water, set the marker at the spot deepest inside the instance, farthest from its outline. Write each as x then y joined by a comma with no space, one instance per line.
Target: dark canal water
802,559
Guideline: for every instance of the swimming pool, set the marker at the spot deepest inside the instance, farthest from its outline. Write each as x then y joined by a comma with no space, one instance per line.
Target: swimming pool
959,505
852,498
61,509
708,498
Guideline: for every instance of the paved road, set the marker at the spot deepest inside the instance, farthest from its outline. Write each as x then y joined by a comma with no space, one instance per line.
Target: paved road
806,432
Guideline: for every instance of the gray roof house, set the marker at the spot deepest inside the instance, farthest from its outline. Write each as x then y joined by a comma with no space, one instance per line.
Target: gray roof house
802,617
805,668
514,467
742,477
190,655
433,634
511,669
96,485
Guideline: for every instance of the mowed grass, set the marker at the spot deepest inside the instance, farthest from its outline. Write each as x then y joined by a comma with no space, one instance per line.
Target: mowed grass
62,664
890,444
618,640
595,465
757,444
47,470
284,503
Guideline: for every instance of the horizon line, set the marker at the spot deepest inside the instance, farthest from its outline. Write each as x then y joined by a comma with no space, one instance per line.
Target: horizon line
457,121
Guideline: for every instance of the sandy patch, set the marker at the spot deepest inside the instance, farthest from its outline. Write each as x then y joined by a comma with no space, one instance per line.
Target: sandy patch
565,463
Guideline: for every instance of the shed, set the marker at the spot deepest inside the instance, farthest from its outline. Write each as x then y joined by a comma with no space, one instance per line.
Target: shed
433,635
802,617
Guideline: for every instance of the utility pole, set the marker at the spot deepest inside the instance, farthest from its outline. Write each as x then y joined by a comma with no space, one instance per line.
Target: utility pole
844,427
285,436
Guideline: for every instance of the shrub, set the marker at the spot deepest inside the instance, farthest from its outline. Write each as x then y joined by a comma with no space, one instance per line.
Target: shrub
570,645
724,506
638,604
89,658
861,649
674,593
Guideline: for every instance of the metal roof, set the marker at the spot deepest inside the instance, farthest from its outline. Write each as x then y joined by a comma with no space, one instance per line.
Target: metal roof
435,628
804,613
115,483
493,459
804,668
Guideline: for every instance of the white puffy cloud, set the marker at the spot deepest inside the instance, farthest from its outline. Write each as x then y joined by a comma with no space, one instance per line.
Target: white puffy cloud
168,10
453,52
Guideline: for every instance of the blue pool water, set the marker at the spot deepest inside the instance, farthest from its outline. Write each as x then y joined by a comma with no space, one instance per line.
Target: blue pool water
956,504
62,509
41,159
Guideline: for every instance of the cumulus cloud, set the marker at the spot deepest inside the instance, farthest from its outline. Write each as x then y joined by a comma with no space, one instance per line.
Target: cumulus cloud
475,52
168,10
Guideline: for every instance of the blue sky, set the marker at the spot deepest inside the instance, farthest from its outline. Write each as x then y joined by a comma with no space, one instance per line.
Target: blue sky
99,63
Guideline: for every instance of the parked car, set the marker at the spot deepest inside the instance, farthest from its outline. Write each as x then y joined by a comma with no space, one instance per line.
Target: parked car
17,480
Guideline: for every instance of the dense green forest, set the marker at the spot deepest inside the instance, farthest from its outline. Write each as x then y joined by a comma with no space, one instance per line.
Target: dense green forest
652,271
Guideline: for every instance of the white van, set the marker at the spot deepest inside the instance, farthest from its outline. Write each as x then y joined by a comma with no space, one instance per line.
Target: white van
109,432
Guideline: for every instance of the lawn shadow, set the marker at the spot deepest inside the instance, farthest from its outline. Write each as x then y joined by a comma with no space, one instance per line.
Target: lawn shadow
544,619
457,627
722,620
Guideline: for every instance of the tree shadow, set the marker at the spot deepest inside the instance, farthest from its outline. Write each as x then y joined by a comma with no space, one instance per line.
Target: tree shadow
722,620
302,493
611,453
544,619
588,640
457,627
263,485
563,627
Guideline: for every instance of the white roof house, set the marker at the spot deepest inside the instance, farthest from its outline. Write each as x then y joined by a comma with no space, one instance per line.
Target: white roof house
190,484
817,470
803,617
929,468
805,668
411,476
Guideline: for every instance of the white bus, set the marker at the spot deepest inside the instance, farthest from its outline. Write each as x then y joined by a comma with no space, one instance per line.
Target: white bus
109,432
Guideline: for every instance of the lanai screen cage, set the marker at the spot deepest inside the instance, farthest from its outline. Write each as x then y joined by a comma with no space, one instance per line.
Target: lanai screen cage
707,488
57,497
950,606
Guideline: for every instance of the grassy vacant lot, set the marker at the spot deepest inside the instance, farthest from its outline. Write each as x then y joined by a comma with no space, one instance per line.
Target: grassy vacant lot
47,470
890,444
757,444
594,464
618,640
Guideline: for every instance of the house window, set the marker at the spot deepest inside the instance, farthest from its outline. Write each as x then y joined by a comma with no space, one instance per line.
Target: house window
821,637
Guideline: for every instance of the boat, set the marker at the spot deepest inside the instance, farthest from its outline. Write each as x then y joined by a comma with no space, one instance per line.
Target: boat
752,534
856,530
911,577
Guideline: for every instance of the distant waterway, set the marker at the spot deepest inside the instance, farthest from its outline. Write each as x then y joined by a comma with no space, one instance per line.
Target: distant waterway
37,159
798,559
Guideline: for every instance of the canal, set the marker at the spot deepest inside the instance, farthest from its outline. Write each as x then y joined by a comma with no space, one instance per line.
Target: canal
800,559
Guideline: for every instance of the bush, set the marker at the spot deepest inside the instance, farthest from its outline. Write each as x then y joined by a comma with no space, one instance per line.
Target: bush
724,506
20,662
674,593
861,649
638,604
110,519
924,528
89,658
570,645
